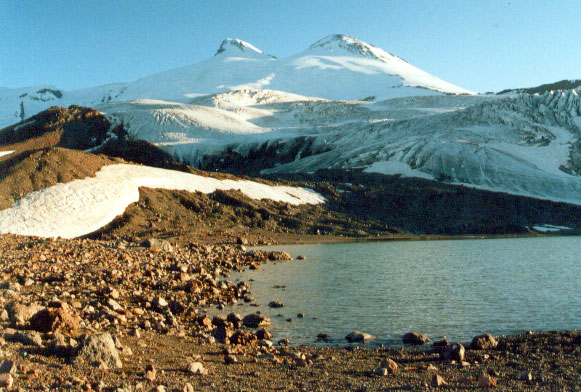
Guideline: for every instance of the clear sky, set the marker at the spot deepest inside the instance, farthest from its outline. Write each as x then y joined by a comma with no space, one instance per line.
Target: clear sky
481,45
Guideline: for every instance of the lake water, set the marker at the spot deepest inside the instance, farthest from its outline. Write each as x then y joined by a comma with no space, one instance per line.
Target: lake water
456,288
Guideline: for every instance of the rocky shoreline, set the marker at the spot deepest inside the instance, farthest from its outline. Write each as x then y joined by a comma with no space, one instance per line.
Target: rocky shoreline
118,316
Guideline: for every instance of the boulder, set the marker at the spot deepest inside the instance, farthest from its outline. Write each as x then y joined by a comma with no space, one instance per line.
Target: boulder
390,365
256,320
99,349
415,339
55,319
6,380
20,314
263,334
486,381
359,337
157,243
483,342
197,368
454,352
28,338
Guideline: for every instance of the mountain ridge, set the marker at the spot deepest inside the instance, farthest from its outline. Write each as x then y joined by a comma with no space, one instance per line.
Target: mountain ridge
358,70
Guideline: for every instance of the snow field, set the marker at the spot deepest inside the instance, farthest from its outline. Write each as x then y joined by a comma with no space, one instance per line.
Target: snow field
83,206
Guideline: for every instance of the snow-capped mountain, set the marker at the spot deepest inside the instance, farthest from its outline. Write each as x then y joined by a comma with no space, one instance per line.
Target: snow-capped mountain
337,67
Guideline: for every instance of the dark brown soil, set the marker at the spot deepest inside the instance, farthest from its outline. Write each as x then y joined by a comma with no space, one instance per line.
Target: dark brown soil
225,215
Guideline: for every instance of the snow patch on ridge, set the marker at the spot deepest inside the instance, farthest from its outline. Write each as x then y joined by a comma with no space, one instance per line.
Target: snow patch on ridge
82,206
4,153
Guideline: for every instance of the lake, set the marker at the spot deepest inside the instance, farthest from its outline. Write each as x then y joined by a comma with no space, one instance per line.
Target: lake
455,288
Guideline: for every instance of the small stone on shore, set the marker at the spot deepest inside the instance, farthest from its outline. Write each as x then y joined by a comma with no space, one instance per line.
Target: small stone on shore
415,339
359,337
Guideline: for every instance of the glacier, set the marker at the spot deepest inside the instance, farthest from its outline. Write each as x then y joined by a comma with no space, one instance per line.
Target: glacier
523,145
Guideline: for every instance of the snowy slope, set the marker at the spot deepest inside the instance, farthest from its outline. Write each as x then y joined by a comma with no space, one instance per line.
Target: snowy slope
521,145
337,67
83,206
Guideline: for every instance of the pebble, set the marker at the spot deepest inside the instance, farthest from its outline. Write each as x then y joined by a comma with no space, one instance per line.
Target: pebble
486,381
197,368
438,381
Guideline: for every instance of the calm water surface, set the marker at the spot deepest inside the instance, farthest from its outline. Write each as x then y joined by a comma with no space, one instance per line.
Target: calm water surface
457,288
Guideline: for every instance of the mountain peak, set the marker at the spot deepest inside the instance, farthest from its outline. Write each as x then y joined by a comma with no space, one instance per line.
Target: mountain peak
237,46
342,42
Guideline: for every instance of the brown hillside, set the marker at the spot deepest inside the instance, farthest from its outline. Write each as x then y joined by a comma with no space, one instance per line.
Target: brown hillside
76,128
35,170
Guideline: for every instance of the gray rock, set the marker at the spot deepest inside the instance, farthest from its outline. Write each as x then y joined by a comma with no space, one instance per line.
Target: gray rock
197,368
359,337
99,349
158,244
28,338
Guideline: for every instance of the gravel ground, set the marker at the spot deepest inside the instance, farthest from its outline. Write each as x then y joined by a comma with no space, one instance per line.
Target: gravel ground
148,300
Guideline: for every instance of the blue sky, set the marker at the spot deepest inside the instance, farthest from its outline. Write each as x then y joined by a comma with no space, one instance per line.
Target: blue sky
478,45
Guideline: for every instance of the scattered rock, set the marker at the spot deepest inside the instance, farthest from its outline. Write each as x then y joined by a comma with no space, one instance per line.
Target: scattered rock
230,359
390,365
486,381
99,349
483,342
301,257
159,302
150,373
6,380
21,314
359,337
158,244
7,366
455,352
526,376
256,320
263,334
197,368
28,338
324,337
438,381
275,304
440,343
415,339
51,320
